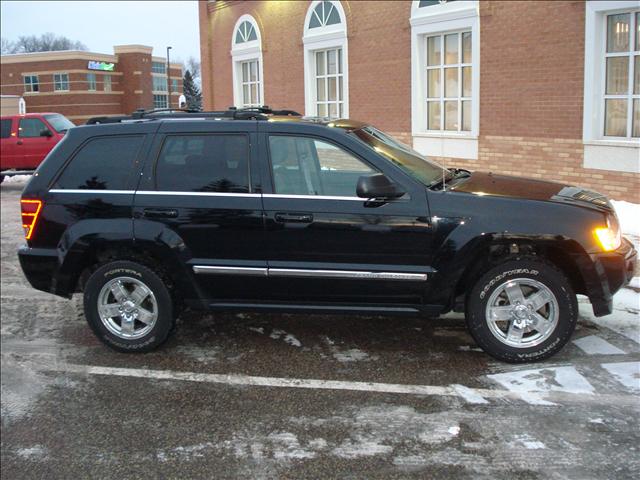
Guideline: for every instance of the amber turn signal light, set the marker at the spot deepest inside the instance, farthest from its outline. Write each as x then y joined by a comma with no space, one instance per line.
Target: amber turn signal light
30,212
608,239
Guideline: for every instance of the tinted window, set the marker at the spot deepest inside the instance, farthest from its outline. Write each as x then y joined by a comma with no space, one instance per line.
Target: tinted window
31,127
304,166
60,123
102,164
5,128
204,163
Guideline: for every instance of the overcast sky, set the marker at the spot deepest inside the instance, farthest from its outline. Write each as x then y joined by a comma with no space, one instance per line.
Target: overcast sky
101,25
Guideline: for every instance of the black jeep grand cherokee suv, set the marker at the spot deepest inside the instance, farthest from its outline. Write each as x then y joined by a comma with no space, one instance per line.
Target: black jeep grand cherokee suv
247,209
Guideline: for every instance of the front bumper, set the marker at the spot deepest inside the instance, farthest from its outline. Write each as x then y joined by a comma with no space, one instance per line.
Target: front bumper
607,272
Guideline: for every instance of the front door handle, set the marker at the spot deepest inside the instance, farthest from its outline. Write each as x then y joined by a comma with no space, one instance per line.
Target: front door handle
160,213
294,217
19,142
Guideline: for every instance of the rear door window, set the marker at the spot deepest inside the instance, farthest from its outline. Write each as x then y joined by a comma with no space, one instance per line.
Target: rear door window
5,128
103,163
204,163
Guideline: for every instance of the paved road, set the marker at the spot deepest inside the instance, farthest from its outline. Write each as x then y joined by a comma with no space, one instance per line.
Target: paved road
307,396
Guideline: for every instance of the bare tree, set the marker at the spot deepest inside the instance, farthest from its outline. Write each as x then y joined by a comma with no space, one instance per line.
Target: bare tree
193,65
46,42
6,46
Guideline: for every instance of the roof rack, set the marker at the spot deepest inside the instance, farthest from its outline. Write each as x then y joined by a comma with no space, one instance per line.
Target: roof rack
232,113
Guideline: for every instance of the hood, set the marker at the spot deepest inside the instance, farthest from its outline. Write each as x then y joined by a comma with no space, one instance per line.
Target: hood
482,183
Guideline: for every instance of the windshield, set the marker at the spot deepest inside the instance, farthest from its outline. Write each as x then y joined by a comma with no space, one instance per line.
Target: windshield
405,157
60,123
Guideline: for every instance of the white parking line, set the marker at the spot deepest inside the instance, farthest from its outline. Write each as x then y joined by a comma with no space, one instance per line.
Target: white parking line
594,345
466,393
627,373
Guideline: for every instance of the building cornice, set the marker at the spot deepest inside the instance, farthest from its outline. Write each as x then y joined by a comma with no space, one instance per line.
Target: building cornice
57,55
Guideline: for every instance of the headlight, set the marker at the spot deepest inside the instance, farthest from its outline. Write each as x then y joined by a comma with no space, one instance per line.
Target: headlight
610,237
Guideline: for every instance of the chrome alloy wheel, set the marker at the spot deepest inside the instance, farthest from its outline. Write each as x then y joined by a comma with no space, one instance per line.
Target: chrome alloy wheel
522,313
127,307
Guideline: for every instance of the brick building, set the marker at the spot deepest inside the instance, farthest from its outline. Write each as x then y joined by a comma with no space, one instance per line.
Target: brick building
81,85
540,89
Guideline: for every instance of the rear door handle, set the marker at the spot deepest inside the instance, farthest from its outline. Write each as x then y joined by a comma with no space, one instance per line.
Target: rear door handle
160,213
294,217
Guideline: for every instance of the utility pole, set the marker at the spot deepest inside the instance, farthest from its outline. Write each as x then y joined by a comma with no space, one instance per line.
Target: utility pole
168,80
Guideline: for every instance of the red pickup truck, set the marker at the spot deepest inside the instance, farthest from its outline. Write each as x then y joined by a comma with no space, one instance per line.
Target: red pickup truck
25,140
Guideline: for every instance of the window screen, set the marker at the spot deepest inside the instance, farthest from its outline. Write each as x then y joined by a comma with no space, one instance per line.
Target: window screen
103,163
204,163
5,128
304,166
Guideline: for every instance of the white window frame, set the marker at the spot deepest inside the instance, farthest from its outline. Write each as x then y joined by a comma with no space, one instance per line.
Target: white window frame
55,82
160,94
244,52
163,70
92,82
600,152
153,84
450,17
31,83
324,38
106,83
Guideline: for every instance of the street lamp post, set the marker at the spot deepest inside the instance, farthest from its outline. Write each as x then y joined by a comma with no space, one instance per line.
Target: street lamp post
168,79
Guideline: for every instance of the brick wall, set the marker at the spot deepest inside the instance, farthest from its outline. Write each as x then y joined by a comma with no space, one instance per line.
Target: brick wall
130,84
531,85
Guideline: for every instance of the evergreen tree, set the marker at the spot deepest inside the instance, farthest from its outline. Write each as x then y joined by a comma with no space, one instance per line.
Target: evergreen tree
191,92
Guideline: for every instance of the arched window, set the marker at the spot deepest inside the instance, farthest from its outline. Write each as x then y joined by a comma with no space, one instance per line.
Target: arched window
326,73
246,54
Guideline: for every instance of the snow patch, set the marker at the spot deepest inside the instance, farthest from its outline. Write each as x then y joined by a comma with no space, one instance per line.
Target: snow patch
628,214
361,448
17,179
259,330
276,334
531,383
37,452
623,320
469,394
594,345
351,355
528,442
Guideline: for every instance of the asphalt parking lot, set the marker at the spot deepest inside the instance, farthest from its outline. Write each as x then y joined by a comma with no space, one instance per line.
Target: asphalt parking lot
307,396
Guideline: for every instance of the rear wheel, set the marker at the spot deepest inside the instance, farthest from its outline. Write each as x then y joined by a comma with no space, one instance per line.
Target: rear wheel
128,307
522,311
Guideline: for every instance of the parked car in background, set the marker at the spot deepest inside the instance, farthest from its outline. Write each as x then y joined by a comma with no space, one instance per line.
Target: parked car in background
25,140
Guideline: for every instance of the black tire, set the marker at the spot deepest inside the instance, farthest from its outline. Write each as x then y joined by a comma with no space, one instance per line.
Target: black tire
164,322
537,270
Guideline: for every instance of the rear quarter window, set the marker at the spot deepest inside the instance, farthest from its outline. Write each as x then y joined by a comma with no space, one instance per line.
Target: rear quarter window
5,128
103,163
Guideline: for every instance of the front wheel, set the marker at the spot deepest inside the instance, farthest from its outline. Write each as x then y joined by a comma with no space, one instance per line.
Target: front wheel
522,311
128,307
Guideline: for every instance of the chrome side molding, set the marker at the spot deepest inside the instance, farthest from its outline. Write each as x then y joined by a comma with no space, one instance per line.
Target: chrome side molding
310,273
220,270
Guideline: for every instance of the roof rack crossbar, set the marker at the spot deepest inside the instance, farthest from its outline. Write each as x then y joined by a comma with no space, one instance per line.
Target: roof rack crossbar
232,113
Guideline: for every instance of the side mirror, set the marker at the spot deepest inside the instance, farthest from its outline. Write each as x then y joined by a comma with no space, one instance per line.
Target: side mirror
377,186
46,133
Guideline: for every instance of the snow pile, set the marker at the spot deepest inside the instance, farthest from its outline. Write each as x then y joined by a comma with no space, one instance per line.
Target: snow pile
629,216
17,179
